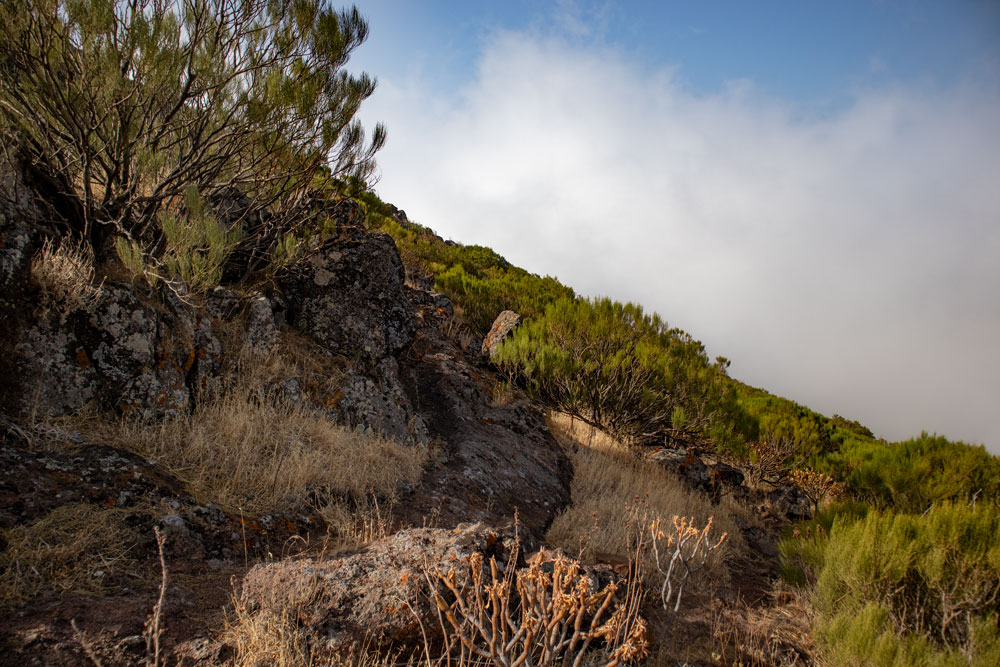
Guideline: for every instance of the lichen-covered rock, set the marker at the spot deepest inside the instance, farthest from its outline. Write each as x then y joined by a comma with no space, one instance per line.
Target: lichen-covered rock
262,330
378,402
379,595
503,326
348,296
125,353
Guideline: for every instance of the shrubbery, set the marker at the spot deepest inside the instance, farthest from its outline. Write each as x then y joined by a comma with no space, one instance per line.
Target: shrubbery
898,589
149,125
478,280
910,476
617,367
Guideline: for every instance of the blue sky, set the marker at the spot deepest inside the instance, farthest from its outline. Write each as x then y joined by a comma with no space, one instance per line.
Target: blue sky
811,189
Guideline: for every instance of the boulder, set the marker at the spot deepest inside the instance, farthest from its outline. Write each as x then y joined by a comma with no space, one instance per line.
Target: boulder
348,296
379,595
137,356
503,326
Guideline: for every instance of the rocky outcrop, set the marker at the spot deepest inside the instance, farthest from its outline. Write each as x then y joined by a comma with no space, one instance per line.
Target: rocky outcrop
45,468
503,326
147,358
379,595
348,296
783,502
492,458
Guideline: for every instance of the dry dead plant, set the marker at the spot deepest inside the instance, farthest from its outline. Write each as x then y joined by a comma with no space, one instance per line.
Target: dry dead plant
544,614
771,462
685,550
609,486
237,450
153,631
64,273
777,635
73,548
817,486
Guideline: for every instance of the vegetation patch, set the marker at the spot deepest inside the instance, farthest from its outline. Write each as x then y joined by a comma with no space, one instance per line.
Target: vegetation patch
72,549
614,495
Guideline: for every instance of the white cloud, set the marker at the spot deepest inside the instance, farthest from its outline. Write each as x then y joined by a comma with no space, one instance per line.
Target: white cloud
850,262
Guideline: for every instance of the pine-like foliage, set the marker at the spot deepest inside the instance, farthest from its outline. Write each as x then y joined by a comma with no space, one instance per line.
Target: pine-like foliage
899,589
613,365
910,476
121,106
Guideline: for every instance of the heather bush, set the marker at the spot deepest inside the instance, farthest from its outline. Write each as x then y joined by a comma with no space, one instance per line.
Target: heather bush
902,589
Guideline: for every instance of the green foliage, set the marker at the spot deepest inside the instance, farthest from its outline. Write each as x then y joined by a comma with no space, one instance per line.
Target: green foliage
902,589
121,107
813,435
618,367
910,476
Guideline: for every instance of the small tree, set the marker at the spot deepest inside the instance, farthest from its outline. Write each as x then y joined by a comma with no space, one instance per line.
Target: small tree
617,367
123,108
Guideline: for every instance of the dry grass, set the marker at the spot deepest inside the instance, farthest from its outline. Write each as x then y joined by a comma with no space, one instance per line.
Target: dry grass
275,640
249,447
73,548
353,525
64,273
615,494
764,636
239,451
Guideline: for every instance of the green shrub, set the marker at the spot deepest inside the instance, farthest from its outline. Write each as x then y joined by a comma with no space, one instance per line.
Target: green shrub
910,476
899,589
119,108
619,368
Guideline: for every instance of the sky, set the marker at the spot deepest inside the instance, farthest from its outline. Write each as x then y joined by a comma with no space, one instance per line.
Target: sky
812,189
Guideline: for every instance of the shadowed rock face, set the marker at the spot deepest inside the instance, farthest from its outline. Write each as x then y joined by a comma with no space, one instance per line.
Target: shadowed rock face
491,460
348,296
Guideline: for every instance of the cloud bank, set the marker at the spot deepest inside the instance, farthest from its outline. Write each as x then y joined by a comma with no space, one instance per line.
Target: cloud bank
848,259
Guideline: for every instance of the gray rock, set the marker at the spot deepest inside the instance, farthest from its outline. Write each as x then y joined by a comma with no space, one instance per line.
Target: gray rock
503,326
376,595
348,296
125,353
378,402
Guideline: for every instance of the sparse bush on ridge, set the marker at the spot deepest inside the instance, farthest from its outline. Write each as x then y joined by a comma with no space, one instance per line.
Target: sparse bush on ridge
624,370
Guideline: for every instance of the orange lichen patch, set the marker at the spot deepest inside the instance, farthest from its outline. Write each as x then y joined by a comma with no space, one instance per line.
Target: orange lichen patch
189,362
61,476
82,360
334,401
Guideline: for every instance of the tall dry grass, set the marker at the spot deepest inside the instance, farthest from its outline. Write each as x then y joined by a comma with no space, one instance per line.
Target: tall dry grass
238,451
614,494
249,447
64,273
